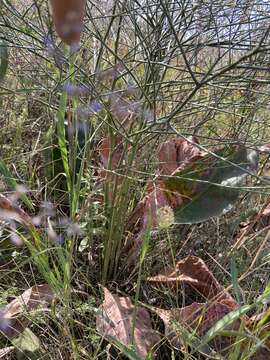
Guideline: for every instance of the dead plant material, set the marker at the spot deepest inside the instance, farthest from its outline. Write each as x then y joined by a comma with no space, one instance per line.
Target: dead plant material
198,318
117,321
14,317
193,271
173,155
10,211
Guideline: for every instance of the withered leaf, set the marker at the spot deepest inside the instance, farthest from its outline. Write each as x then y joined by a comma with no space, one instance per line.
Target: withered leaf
193,271
197,317
114,147
11,212
117,321
176,153
14,317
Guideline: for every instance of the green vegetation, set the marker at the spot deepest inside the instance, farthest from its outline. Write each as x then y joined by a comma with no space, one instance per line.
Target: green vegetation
134,185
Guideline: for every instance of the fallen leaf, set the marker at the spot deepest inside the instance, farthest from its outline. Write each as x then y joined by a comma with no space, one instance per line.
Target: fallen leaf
198,318
117,321
193,271
200,186
13,317
177,153
9,211
211,183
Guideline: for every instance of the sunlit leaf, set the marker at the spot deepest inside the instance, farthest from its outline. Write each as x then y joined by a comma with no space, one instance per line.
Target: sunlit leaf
117,321
193,271
211,184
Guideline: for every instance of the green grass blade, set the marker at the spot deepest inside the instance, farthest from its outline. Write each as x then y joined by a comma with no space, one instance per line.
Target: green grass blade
62,137
3,60
12,184
128,352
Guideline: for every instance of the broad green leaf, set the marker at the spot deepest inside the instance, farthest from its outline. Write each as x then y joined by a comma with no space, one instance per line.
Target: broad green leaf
210,186
3,60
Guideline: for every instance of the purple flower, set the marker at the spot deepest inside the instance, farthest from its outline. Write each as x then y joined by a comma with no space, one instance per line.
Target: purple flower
76,90
54,237
92,108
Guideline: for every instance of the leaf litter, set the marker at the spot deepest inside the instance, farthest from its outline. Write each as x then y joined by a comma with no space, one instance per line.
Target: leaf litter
15,316
117,320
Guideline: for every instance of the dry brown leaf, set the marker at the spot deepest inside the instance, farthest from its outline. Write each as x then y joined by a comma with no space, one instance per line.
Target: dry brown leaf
5,351
193,271
13,317
114,148
159,202
177,153
187,315
117,321
11,212
196,317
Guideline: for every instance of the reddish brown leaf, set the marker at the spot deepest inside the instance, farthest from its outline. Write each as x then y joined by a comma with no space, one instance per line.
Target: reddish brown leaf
196,317
117,321
157,199
9,211
157,206
176,154
13,317
193,271
114,147
68,19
